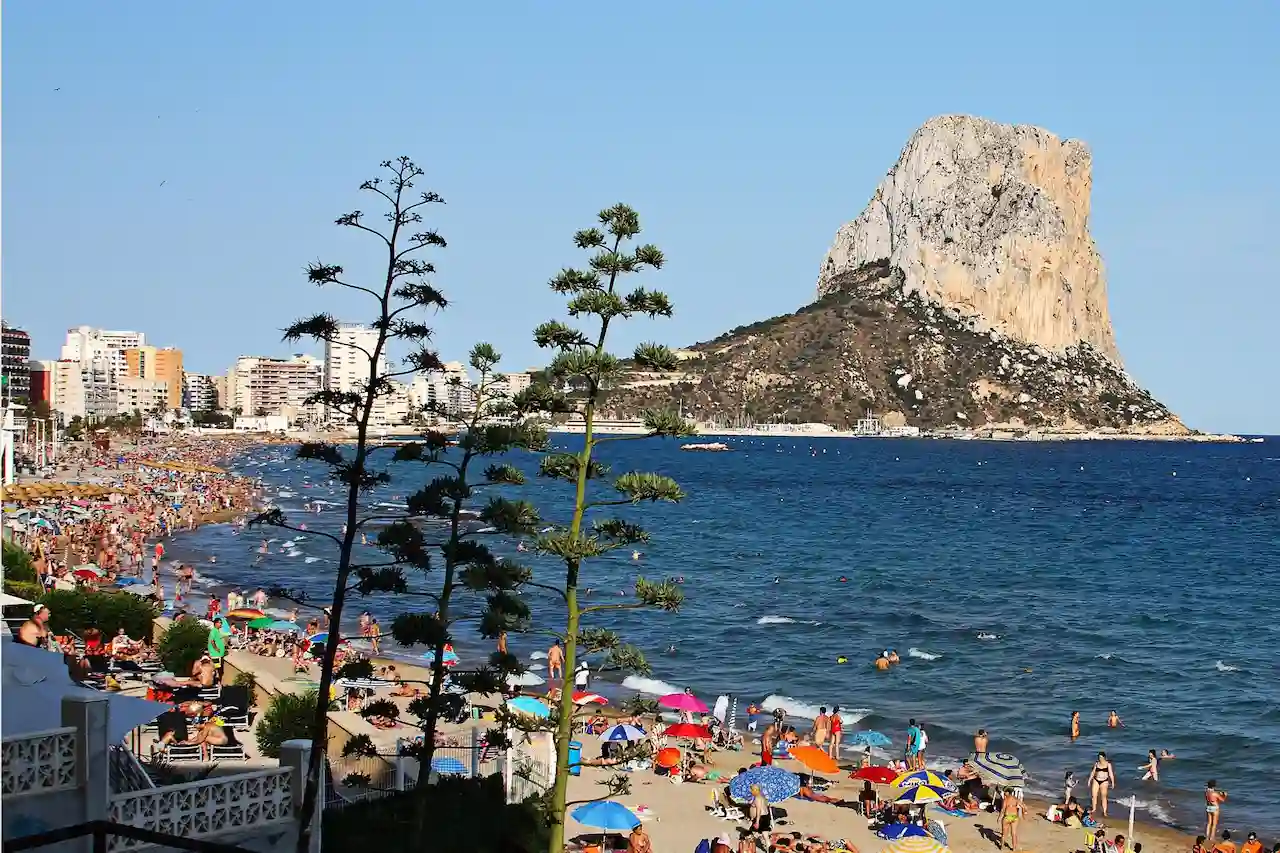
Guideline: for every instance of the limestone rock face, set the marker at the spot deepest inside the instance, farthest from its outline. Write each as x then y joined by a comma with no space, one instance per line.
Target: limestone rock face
991,220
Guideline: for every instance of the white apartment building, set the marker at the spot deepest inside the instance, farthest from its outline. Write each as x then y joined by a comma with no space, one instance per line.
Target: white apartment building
199,392
346,361
134,394
449,388
66,390
86,344
512,384
274,385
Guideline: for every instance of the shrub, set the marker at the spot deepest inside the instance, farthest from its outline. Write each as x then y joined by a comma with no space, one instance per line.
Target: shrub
17,564
250,680
78,611
288,717
479,820
182,644
24,589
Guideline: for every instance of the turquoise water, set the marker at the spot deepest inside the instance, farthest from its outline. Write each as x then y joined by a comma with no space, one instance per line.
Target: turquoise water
1018,582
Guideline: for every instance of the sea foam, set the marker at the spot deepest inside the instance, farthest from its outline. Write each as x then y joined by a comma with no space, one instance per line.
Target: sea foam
1225,667
652,686
923,655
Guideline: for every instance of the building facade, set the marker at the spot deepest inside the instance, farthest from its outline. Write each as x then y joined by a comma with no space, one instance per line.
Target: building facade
275,386
346,362
87,344
41,373
15,372
159,364
199,392
141,395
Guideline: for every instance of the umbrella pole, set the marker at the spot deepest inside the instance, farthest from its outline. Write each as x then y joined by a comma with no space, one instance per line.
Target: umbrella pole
1133,802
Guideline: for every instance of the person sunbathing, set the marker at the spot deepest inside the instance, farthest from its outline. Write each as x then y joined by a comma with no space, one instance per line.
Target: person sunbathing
807,793
402,689
380,722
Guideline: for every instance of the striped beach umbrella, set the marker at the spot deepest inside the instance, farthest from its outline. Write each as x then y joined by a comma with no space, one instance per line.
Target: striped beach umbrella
999,768
924,777
921,794
916,844
894,831
448,766
623,732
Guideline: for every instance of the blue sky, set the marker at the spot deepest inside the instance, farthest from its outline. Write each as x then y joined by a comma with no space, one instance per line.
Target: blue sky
171,167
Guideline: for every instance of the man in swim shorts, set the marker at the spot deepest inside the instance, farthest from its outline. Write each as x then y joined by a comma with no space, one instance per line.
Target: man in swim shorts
821,728
913,744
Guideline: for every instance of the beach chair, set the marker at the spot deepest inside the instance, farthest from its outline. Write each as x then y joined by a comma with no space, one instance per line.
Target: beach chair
233,751
175,723
233,707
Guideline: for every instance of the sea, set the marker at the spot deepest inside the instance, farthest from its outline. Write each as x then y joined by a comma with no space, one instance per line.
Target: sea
1018,581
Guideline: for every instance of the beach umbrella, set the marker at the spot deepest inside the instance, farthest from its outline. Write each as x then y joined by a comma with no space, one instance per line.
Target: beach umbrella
127,581
924,777
245,613
447,766
585,697
815,759
89,567
688,730
921,794
894,831
775,783
525,679
623,732
869,738
322,637
916,844
606,815
87,575
283,625
261,622
999,768
683,702
529,705
139,589
669,757
875,775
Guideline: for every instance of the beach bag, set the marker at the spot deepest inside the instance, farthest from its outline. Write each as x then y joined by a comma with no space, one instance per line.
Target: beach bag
704,846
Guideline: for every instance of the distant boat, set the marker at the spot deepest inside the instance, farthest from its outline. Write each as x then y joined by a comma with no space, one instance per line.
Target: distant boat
713,447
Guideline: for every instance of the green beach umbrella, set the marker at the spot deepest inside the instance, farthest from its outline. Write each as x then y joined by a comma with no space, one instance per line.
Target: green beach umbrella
261,622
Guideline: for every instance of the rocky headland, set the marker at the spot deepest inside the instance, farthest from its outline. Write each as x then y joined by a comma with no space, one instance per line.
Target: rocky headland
968,293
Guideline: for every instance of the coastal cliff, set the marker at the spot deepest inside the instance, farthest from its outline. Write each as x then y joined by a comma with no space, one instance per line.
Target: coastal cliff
968,293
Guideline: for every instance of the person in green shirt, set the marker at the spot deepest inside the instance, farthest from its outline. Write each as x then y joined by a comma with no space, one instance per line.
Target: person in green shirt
217,645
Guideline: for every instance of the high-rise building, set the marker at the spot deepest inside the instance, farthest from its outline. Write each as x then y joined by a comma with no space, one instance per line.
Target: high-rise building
161,365
15,374
199,392
346,360
66,389
448,389
86,344
275,386
220,385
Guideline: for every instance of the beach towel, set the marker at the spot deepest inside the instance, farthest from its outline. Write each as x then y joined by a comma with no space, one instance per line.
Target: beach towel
953,812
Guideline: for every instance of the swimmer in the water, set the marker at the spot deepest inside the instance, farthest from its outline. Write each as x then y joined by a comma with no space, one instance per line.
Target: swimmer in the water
843,579
892,654
635,555
777,579
1114,721
1075,724
671,650
1166,755
882,662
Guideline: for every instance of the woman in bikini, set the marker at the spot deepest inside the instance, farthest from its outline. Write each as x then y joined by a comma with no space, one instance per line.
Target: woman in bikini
1100,781
1213,799
837,729
1075,724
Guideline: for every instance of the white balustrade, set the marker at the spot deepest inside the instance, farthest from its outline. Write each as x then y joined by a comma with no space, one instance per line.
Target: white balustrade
39,763
212,807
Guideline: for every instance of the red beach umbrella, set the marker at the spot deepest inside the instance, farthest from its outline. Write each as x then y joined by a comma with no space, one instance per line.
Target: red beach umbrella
688,730
584,697
669,757
87,575
875,775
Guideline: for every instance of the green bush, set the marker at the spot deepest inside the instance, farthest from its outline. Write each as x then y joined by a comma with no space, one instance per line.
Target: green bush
288,717
77,611
250,680
17,564
182,644
23,589
479,820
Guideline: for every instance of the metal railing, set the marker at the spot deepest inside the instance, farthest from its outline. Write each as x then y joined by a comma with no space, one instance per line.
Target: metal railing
103,831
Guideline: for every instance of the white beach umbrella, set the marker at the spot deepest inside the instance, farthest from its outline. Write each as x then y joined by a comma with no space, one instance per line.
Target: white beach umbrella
525,679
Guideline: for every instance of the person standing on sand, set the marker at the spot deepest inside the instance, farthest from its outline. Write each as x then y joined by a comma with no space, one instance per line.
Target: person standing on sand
837,731
821,728
1010,812
1101,778
769,739
555,661
913,744
1213,800
375,635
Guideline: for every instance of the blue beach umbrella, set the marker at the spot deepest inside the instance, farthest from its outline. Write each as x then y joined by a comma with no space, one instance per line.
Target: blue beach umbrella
607,815
623,732
894,831
127,581
284,625
322,637
447,766
999,768
775,783
869,738
529,705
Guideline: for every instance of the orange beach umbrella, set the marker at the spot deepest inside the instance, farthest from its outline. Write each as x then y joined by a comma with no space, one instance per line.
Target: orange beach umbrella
815,759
